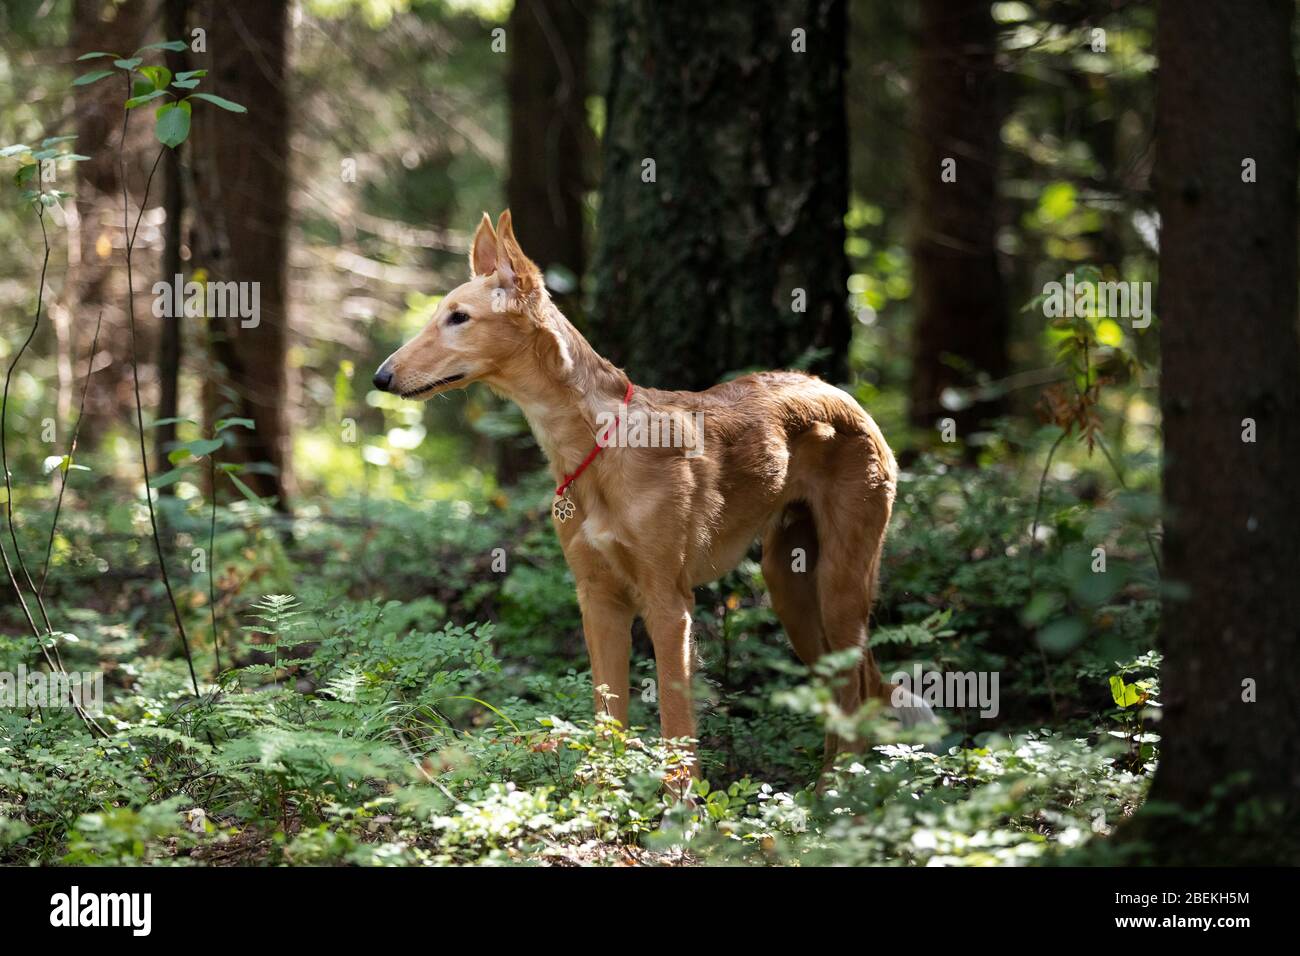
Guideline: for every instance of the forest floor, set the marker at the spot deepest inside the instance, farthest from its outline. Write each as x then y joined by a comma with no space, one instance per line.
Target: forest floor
392,693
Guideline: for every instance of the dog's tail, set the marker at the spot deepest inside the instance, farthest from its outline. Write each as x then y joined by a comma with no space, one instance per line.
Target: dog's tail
816,402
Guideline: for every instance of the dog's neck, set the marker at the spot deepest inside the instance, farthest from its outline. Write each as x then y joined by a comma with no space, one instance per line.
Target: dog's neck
562,384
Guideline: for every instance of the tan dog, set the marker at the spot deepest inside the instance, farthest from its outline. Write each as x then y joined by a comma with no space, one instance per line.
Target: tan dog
777,454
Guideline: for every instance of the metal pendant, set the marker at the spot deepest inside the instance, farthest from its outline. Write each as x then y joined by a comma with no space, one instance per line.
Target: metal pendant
563,508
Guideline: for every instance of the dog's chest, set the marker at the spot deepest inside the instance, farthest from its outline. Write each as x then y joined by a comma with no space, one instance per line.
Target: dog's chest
600,534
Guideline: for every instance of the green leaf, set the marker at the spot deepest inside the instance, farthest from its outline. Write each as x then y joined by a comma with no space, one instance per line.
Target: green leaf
173,124
221,101
175,46
129,64
167,478
159,75
56,140
1117,689
63,463
1124,695
87,78
203,446
224,423
60,462
94,55
1057,201
246,491
14,150
135,101
171,421
188,79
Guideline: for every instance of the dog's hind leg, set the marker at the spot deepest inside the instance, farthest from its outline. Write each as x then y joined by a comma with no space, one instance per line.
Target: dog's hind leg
789,567
851,505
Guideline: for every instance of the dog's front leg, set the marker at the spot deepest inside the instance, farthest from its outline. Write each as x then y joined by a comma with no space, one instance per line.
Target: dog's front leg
670,632
607,628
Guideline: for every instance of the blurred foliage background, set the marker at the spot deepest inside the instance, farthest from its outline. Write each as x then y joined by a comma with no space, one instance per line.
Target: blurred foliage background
411,101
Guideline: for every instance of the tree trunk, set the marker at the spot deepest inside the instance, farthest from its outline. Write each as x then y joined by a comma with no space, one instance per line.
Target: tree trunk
1230,351
241,227
721,232
550,143
549,136
961,315
169,345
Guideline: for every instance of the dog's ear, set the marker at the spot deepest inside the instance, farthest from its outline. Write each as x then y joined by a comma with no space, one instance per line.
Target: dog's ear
514,269
483,250
520,274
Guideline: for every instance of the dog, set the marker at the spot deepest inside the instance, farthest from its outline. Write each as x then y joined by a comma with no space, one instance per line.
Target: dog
777,455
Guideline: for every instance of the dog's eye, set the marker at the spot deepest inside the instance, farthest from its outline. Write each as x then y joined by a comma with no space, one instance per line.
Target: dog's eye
457,318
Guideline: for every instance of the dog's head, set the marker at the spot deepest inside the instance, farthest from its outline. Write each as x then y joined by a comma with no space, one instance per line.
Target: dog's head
478,326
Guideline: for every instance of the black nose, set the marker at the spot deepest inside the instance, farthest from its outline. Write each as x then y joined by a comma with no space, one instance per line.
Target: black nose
383,378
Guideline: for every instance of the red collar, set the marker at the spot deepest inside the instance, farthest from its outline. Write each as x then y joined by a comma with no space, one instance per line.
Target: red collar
591,455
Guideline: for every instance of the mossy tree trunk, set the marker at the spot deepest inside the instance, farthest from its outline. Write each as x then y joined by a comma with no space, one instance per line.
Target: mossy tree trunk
731,257
1230,352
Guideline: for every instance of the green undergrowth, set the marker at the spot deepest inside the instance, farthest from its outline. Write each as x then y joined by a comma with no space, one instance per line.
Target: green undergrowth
405,684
